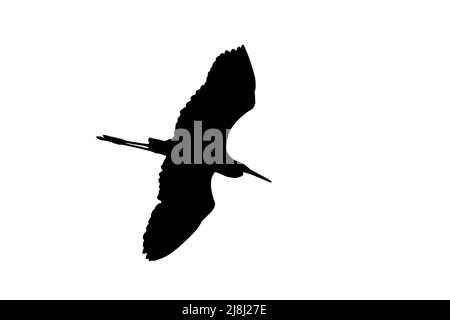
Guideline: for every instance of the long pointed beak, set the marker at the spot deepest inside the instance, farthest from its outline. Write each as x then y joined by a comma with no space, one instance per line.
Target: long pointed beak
253,173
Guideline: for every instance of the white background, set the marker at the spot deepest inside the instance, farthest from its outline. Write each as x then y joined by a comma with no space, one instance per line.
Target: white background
351,123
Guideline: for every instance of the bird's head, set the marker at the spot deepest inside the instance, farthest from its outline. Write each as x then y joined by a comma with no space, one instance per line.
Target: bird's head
246,169
237,170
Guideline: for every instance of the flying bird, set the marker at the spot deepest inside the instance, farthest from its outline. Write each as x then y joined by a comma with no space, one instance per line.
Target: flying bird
185,188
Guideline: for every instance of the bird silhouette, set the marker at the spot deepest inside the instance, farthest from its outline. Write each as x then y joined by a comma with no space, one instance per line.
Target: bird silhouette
185,188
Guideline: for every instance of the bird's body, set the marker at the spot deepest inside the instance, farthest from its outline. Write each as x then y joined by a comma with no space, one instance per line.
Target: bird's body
185,189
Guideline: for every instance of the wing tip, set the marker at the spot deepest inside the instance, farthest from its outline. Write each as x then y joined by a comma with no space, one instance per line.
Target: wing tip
152,255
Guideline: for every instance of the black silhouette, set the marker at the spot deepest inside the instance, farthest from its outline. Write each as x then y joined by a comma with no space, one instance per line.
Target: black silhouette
185,189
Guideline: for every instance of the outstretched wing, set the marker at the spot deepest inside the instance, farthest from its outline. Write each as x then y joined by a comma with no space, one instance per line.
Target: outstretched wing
185,189
228,93
186,199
